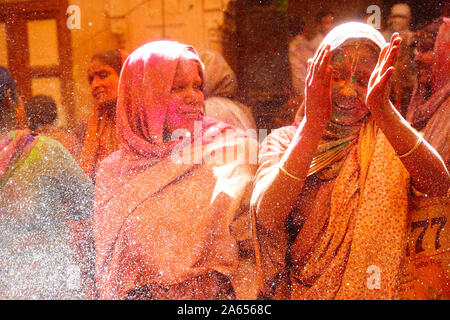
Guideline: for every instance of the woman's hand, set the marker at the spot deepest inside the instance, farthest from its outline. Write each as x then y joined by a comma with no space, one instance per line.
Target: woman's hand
378,89
318,88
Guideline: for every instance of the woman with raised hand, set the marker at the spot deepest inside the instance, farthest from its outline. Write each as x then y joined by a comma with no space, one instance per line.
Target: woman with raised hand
171,216
331,194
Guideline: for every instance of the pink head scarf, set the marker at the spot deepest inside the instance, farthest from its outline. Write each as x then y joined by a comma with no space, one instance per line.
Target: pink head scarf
144,91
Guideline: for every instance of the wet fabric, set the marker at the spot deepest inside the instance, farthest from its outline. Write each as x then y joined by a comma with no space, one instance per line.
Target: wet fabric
221,93
350,220
337,226
167,228
425,272
42,193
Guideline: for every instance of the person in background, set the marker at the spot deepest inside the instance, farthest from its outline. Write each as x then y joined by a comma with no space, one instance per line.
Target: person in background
220,92
429,108
12,114
399,20
100,137
403,79
330,198
426,272
46,200
285,114
41,114
302,48
297,55
171,217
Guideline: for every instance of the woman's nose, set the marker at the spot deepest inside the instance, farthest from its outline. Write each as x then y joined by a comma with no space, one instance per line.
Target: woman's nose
348,89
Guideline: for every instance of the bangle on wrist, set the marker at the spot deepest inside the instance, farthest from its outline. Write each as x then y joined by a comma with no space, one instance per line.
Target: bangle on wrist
419,141
290,175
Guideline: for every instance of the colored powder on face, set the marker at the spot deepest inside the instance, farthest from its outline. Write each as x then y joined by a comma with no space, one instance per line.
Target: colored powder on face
355,76
340,59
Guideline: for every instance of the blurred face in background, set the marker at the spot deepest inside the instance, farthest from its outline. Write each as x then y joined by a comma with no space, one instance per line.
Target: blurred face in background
104,81
353,63
425,58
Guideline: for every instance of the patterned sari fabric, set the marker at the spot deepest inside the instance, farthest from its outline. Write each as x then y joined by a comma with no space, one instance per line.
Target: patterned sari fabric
43,195
346,236
169,229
